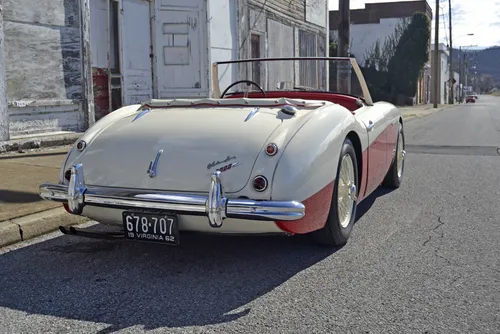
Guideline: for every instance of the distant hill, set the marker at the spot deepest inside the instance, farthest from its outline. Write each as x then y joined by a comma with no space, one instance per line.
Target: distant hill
488,61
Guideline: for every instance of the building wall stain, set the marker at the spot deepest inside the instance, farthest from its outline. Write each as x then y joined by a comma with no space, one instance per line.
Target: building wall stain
42,49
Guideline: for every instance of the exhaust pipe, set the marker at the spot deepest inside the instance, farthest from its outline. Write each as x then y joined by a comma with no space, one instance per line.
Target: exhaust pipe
90,234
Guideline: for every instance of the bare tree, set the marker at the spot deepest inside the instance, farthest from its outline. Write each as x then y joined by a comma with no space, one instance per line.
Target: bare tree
486,83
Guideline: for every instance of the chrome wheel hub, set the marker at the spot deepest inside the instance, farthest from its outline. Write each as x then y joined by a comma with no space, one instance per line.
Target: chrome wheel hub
400,156
347,191
352,192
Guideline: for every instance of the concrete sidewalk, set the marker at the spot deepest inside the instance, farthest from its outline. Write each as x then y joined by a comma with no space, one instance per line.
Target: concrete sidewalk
421,110
23,213
20,143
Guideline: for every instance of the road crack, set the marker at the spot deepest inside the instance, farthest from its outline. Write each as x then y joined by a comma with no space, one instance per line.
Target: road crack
440,233
440,223
448,261
455,280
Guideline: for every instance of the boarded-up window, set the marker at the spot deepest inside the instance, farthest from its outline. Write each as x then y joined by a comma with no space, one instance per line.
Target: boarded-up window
308,70
255,51
280,45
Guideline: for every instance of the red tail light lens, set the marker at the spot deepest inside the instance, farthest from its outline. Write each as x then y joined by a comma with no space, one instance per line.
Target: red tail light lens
66,207
80,146
271,149
260,183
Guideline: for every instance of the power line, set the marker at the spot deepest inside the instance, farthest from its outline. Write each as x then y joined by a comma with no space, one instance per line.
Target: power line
444,25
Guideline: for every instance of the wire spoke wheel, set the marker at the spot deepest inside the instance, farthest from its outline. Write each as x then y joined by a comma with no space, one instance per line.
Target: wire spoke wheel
400,156
346,191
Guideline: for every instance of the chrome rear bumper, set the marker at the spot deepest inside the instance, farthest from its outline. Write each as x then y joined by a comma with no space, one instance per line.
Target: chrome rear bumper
215,206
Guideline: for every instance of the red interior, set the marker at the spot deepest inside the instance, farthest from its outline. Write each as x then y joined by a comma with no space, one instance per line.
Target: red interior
350,102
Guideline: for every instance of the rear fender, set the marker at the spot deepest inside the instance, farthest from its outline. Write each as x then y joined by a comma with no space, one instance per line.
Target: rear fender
309,161
265,165
307,168
92,133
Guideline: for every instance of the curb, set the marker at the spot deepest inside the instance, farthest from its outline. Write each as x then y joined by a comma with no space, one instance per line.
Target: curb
434,111
38,142
34,225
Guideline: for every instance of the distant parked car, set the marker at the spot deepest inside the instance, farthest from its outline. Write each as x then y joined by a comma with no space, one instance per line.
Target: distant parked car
470,98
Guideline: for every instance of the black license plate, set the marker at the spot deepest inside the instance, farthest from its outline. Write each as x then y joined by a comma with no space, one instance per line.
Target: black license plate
153,227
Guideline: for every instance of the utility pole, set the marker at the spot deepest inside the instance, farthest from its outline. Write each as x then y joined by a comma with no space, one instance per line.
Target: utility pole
464,81
452,75
88,92
436,57
4,112
460,75
344,25
344,70
466,71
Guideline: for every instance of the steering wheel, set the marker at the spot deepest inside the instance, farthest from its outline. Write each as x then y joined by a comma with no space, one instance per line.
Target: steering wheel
248,82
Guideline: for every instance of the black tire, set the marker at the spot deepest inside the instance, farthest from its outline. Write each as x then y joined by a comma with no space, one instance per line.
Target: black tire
392,179
333,233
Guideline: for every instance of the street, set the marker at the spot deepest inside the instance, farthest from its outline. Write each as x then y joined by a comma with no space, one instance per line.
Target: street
422,259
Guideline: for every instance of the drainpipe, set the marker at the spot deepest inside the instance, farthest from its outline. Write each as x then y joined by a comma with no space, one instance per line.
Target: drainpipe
4,111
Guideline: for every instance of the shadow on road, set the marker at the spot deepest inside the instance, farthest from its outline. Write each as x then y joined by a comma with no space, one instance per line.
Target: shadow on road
367,203
13,196
206,280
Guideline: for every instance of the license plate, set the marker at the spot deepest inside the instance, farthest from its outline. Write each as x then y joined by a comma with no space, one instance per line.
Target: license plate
152,227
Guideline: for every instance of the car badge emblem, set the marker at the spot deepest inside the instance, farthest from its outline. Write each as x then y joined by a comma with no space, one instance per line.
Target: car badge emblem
228,167
215,163
153,165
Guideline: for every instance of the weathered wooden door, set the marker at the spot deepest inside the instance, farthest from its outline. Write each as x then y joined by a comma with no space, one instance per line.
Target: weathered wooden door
180,49
135,37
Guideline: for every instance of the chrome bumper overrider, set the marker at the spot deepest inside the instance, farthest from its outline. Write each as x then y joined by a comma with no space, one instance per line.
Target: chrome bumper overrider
216,206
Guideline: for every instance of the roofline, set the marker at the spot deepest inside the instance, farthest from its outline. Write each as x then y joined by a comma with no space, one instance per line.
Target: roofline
372,13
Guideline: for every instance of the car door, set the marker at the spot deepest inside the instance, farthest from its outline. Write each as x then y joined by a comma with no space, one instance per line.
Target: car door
379,130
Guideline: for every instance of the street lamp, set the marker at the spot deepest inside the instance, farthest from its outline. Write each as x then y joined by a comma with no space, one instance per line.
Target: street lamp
452,73
462,66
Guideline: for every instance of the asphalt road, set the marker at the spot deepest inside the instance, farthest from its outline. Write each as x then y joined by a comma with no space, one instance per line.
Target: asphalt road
422,259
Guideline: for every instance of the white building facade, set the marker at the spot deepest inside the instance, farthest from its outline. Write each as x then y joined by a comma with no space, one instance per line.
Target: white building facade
377,22
70,63
444,75
364,36
166,47
41,78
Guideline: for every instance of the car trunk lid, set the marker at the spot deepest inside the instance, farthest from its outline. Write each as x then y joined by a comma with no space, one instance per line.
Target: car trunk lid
194,143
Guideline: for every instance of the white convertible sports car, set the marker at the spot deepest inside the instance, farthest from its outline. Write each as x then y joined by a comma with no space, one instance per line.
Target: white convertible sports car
294,151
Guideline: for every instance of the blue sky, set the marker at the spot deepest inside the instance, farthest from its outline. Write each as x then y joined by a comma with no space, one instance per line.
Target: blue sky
480,17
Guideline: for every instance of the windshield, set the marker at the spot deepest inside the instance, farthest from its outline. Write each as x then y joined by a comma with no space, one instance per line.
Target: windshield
318,74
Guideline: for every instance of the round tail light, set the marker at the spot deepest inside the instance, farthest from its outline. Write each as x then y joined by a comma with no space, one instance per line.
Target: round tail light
80,146
260,183
271,149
